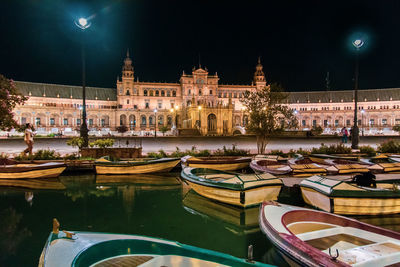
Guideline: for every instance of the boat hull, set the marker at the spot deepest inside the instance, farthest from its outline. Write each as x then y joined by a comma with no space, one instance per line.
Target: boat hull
220,167
241,198
351,205
156,167
32,173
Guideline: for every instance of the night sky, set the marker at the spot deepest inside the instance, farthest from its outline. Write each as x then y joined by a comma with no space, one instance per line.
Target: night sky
298,41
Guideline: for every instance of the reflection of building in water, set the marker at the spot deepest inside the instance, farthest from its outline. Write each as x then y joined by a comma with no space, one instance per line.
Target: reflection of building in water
29,198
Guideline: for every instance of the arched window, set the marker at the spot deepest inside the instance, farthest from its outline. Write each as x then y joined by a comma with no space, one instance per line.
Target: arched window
157,93
163,93
173,93
145,92
188,103
127,92
151,93
143,120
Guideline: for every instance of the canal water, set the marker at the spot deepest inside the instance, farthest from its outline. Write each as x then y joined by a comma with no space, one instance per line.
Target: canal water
150,205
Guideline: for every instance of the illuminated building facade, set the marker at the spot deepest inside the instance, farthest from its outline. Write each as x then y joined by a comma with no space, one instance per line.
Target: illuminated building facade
196,105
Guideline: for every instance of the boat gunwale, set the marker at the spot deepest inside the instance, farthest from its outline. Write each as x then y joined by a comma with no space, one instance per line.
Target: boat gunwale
38,167
223,160
236,187
364,193
134,163
184,247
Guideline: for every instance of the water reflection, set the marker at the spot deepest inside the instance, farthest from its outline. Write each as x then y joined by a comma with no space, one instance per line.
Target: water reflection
237,220
12,234
150,205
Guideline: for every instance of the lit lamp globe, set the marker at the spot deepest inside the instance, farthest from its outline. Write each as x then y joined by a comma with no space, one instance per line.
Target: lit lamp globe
82,23
358,43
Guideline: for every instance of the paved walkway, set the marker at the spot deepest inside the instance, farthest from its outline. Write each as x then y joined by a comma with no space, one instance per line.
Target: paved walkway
169,144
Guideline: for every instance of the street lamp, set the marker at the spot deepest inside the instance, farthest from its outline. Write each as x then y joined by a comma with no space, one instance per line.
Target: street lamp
155,129
243,110
83,24
362,122
199,108
355,135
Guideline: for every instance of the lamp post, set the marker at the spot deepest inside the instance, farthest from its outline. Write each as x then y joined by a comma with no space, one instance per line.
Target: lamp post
176,116
362,122
243,110
355,135
155,128
83,24
199,108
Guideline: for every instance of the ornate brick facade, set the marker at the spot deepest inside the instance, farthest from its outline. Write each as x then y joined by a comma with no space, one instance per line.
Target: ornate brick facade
196,104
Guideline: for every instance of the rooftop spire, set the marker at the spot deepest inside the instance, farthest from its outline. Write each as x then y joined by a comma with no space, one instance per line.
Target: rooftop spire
127,53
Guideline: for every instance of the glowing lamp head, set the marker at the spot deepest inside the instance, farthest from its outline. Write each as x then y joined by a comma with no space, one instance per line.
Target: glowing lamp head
155,110
172,110
199,107
358,43
82,22
176,107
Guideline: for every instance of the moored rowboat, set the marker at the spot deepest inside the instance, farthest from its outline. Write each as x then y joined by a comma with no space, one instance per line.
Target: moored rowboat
80,249
269,166
30,171
242,190
217,163
105,166
345,198
316,238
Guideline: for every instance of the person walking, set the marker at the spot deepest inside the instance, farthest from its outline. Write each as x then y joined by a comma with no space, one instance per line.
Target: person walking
345,134
28,138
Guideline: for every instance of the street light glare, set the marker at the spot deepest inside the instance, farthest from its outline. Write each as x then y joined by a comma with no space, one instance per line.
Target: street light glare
358,43
82,22
155,110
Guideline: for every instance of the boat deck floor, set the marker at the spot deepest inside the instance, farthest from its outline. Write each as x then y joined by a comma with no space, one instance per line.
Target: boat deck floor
124,261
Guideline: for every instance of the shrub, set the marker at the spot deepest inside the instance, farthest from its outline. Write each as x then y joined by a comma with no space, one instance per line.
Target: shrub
390,146
75,142
317,130
154,155
370,151
102,143
44,154
332,149
277,152
231,152
396,128
72,156
178,153
303,152
122,129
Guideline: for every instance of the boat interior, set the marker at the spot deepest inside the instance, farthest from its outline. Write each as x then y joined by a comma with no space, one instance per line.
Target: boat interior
235,178
355,246
153,260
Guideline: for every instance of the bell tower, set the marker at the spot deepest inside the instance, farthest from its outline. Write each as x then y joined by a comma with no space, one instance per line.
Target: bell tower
127,69
259,76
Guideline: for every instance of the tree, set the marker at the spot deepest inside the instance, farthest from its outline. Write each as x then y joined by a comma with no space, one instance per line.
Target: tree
10,97
396,128
122,129
268,113
164,129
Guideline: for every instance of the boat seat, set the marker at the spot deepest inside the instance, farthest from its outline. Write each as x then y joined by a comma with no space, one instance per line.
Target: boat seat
179,261
375,238
378,254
